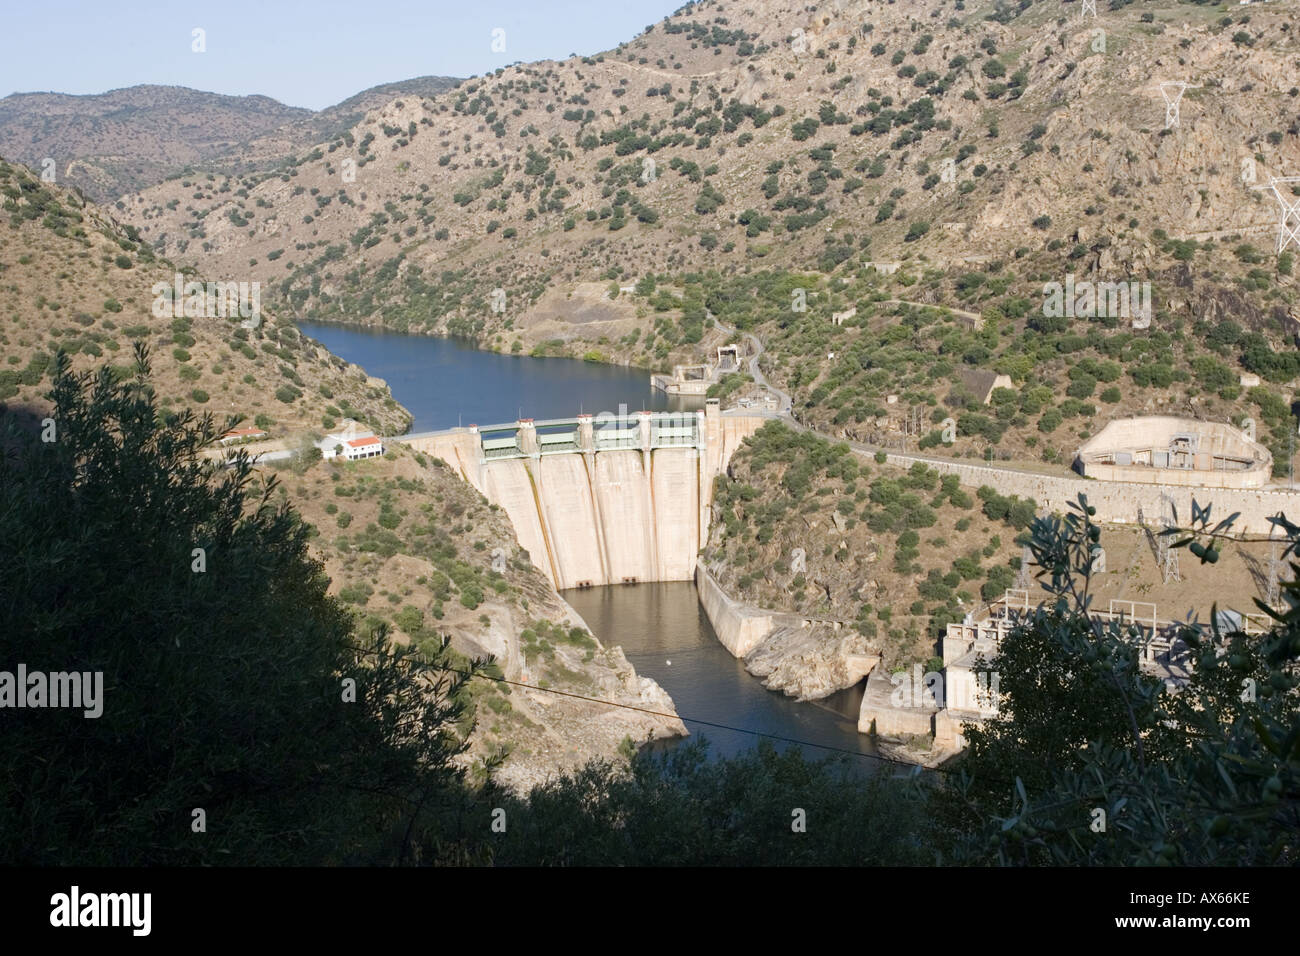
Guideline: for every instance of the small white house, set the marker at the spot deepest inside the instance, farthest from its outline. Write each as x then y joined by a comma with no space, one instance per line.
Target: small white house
357,448
352,449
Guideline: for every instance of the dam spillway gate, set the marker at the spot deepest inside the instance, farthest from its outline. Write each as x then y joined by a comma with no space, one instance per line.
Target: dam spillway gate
601,499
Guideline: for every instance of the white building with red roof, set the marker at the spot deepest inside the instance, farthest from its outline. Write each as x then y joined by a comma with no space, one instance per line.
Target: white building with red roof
352,443
370,447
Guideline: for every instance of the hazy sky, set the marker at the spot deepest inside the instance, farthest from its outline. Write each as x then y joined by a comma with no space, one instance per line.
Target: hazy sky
309,54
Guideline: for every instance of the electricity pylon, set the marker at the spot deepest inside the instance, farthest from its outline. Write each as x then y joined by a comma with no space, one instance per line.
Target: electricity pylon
1089,6
1288,226
1173,94
1167,556
1023,581
1274,580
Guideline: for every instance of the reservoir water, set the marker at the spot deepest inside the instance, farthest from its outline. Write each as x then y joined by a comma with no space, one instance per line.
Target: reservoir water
445,383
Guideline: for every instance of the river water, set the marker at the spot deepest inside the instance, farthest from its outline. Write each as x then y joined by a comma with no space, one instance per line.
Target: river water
661,627
666,635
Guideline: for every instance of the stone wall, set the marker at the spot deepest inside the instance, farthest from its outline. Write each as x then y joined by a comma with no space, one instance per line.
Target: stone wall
1118,502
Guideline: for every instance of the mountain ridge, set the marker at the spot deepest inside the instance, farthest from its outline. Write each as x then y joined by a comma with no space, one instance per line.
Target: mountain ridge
125,139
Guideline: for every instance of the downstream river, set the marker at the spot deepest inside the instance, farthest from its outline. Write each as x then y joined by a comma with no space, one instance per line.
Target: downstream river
661,627
666,635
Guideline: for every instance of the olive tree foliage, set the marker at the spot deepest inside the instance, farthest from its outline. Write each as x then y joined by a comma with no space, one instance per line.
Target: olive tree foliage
760,808
1093,761
244,720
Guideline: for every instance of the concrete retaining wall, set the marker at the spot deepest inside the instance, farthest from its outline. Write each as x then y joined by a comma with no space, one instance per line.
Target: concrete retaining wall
1118,502
879,715
740,627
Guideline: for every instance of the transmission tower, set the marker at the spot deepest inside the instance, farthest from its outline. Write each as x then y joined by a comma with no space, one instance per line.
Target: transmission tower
1167,557
1173,94
1288,226
1153,539
913,423
1274,580
1089,6
1023,581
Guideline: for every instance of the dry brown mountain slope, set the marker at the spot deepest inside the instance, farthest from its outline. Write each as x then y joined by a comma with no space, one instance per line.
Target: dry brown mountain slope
776,130
71,279
114,142
124,140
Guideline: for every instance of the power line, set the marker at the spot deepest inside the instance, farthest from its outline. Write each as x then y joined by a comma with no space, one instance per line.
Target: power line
994,776
657,713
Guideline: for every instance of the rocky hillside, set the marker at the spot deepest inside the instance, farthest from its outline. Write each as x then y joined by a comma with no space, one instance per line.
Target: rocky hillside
896,359
124,140
72,279
736,134
893,556
807,526
110,143
407,543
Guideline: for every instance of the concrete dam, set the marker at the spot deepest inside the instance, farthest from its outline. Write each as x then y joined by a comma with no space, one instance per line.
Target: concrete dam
605,499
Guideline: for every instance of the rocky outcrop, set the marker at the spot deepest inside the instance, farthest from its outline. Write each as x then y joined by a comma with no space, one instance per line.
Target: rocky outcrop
570,732
812,662
803,658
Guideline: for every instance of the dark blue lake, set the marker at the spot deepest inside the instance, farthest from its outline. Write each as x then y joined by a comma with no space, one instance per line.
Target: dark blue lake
445,383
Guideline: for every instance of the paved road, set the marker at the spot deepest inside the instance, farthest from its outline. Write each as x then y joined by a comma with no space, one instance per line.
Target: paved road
974,317
784,404
1003,476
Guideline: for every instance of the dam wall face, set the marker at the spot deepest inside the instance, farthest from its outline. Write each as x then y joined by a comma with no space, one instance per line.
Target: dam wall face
626,516
566,501
596,503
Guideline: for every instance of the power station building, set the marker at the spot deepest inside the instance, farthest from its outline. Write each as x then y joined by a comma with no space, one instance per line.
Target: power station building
1163,450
